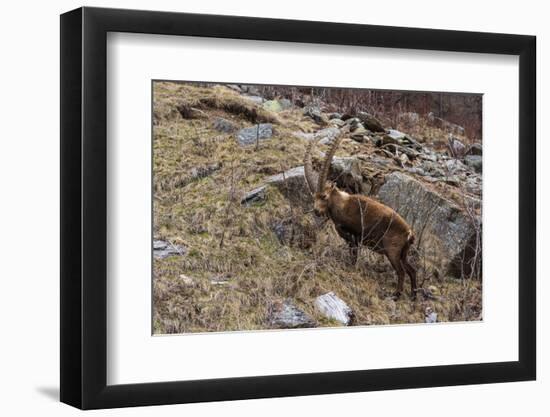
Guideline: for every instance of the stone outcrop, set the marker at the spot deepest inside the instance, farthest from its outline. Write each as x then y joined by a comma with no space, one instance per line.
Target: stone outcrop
446,233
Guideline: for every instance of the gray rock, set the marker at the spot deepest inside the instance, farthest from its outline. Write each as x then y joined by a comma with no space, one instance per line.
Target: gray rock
358,128
332,116
475,162
304,136
315,113
285,103
396,135
285,315
456,147
292,185
473,185
162,249
443,230
234,87
428,156
416,171
430,315
224,125
326,136
370,122
352,122
475,149
452,180
337,122
333,307
454,166
257,195
360,137
273,105
291,174
281,230
403,139
433,168
249,135
346,172
250,89
254,99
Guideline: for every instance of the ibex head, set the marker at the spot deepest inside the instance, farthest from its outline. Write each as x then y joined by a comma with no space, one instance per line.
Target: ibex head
321,190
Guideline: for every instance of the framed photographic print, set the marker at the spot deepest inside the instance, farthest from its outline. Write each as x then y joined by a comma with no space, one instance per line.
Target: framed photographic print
257,208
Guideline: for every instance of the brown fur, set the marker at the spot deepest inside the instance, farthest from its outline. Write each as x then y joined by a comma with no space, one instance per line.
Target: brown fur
361,220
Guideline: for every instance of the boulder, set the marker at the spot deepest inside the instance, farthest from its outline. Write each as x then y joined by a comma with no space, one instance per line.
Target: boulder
397,137
446,234
454,166
257,195
475,149
360,137
370,122
352,122
224,125
333,307
296,173
162,249
315,113
249,135
430,316
272,105
254,99
337,122
234,87
475,162
346,172
285,103
326,136
456,147
303,135
285,315
250,89
473,185
433,169
428,155
292,184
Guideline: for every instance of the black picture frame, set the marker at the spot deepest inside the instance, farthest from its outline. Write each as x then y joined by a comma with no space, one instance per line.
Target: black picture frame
84,207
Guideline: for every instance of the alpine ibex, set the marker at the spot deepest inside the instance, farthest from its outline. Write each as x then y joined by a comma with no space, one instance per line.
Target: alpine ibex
361,220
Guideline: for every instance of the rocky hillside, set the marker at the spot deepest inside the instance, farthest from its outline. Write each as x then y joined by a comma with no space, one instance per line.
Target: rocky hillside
236,246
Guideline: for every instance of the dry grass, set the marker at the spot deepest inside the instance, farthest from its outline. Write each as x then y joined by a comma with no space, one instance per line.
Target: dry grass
236,266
